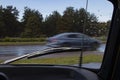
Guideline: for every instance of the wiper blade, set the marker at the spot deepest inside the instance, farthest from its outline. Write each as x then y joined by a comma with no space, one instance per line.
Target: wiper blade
15,59
54,50
42,53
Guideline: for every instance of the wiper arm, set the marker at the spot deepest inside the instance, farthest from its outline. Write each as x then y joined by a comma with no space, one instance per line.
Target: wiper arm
21,57
42,53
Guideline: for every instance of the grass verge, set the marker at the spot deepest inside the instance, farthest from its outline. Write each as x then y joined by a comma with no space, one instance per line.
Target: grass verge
62,60
21,43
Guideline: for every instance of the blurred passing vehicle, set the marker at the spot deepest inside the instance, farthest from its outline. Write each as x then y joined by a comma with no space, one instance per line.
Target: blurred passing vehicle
72,39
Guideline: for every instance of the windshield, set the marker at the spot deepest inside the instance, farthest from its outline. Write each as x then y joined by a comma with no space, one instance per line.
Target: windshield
30,27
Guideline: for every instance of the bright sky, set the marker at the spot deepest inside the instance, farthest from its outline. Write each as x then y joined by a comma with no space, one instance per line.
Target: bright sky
101,8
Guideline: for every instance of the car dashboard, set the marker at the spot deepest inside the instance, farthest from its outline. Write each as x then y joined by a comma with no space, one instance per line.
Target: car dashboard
15,72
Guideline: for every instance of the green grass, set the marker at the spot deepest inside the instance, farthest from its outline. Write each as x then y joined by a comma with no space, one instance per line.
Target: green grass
103,39
92,58
21,43
8,39
32,41
1,61
62,60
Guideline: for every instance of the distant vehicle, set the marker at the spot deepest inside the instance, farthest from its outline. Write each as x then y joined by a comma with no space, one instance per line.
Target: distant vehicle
72,39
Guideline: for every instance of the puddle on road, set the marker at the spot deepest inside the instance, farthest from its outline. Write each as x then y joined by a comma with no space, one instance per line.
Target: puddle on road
101,48
21,50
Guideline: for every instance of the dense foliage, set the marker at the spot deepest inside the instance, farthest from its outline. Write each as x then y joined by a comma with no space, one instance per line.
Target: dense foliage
34,25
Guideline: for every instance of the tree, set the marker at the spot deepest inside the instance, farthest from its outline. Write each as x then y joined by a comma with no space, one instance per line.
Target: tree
2,24
52,23
80,18
91,27
32,21
68,20
103,28
8,21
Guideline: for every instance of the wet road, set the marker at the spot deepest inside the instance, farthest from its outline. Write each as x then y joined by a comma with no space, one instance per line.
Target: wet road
20,50
8,52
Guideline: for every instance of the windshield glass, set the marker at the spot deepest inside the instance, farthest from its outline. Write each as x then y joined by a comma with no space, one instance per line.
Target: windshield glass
30,27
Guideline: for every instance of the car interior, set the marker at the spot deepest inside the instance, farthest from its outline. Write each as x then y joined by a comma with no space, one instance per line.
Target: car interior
109,70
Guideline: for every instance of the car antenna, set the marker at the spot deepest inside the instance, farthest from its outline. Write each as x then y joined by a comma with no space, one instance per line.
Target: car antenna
84,25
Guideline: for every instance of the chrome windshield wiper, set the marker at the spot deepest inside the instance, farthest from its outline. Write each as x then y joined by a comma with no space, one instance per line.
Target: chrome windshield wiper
42,53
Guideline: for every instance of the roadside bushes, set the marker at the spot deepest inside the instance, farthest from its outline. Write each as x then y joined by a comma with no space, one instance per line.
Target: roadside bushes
103,39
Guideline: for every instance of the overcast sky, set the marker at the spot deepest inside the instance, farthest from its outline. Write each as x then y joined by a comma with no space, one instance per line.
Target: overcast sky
101,8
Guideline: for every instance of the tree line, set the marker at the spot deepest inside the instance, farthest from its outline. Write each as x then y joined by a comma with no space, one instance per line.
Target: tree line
33,24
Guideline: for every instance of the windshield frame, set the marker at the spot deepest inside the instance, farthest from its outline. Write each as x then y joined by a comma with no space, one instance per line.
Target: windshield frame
48,64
